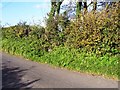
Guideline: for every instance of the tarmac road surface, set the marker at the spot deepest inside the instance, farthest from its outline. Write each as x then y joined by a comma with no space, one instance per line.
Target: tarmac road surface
18,72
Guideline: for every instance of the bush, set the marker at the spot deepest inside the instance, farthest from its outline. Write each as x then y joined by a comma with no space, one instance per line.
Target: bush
88,44
96,32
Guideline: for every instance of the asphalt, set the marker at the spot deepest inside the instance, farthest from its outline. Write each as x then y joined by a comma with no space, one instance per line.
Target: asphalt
18,72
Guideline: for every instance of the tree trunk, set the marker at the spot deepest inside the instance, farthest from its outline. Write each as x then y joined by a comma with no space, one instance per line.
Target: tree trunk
95,5
53,9
58,6
85,6
79,7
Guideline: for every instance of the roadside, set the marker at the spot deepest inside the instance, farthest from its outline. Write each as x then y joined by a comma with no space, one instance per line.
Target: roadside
18,72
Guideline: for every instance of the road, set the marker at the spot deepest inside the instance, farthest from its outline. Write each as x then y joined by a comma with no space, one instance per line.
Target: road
18,72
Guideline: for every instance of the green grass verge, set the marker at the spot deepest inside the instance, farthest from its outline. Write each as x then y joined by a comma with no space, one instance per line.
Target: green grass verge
72,59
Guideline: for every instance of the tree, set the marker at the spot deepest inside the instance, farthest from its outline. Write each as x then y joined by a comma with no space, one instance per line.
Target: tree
58,6
79,8
95,5
85,6
55,7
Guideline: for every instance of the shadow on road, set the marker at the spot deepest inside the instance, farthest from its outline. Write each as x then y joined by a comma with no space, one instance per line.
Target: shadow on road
12,77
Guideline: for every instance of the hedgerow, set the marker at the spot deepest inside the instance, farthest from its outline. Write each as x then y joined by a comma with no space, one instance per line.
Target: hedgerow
89,43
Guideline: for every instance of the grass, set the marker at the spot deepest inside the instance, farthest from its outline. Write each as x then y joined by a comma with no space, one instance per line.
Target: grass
73,59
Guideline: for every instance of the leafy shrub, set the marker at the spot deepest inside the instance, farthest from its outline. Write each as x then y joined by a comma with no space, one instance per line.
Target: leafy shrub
88,44
96,32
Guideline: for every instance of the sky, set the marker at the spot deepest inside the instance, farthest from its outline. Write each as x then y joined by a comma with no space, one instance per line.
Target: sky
30,11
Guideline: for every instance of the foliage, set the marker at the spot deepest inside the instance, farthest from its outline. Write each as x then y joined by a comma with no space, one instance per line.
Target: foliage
73,59
96,32
89,43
